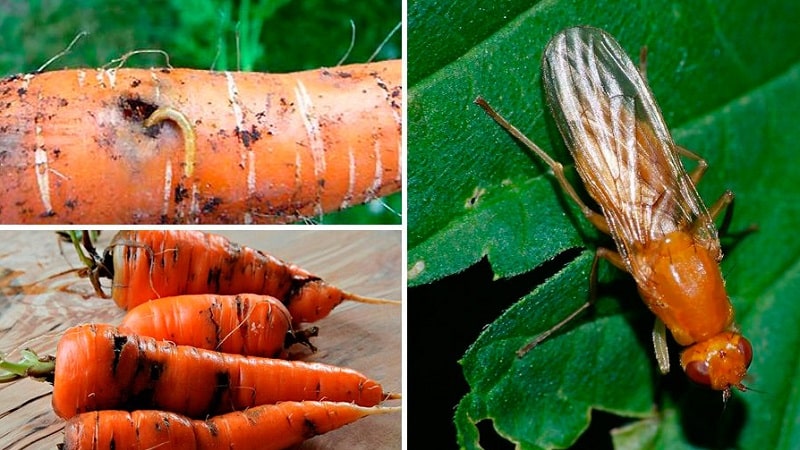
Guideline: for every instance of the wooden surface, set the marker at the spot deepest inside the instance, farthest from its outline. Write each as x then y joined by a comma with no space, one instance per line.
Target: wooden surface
364,337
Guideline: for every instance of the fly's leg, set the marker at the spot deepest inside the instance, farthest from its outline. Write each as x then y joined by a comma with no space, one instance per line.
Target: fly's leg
189,141
702,164
660,347
609,255
597,219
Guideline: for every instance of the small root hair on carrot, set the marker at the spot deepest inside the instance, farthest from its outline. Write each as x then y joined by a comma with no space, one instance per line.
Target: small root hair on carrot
124,58
371,300
385,40
62,52
352,43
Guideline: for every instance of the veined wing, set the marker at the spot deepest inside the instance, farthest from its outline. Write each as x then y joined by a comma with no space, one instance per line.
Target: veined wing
621,146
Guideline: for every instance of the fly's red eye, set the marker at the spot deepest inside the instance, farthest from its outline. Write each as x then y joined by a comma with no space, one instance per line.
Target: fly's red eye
746,350
697,371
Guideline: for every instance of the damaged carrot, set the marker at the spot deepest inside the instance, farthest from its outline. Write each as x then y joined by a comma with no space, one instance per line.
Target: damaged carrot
245,324
264,427
98,367
192,146
148,264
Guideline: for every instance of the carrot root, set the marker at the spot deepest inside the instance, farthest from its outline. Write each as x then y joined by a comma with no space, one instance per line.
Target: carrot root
98,367
263,427
371,300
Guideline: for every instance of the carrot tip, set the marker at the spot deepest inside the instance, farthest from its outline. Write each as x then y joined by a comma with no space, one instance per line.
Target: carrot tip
393,396
375,301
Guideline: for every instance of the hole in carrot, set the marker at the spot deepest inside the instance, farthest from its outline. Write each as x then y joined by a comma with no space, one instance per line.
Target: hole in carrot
135,109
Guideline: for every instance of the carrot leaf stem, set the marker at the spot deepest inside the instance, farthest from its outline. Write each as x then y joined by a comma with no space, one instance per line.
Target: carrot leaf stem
31,365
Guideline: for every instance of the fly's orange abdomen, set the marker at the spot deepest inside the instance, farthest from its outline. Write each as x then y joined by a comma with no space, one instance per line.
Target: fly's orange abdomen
685,288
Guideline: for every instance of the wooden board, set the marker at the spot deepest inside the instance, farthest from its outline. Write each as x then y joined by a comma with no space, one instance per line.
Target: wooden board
360,336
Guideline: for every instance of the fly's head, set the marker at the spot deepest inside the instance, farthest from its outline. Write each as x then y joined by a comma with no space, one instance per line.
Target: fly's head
720,362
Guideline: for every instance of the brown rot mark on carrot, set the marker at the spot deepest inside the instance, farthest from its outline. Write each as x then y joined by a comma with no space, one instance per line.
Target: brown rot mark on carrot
180,193
249,137
135,83
134,109
210,205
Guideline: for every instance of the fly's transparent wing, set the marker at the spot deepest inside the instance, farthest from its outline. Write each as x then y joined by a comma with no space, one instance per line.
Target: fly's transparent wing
621,146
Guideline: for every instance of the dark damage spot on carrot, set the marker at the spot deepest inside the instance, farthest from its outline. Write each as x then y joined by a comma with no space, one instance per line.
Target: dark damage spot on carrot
71,203
135,109
180,193
210,205
135,83
214,275
309,428
222,385
155,371
212,428
48,213
248,137
119,344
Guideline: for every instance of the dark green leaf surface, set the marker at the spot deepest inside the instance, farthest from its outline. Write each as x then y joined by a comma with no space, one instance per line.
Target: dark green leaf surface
727,77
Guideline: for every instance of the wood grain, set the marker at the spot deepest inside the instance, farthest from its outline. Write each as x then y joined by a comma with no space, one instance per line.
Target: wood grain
364,337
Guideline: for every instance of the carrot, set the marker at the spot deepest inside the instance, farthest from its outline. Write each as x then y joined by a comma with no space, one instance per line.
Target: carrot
98,367
191,146
263,427
245,324
144,265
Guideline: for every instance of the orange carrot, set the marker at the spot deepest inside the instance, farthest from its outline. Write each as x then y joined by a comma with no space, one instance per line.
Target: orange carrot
150,264
191,146
263,427
98,367
245,324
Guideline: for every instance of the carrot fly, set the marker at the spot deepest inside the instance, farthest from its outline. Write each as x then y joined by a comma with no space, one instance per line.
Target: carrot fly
665,236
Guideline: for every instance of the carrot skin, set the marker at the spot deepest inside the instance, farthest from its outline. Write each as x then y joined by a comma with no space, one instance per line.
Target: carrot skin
245,324
97,367
152,264
265,427
123,430
270,148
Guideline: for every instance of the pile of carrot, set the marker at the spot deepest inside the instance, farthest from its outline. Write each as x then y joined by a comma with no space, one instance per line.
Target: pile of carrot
199,367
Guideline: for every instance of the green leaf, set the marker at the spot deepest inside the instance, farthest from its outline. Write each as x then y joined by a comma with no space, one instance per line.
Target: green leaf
558,377
727,78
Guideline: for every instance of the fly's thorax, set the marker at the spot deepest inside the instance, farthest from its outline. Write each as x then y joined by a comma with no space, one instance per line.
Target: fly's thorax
720,362
680,281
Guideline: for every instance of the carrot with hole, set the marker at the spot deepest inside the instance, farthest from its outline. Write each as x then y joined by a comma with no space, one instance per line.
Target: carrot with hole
144,265
245,324
265,427
192,146
98,367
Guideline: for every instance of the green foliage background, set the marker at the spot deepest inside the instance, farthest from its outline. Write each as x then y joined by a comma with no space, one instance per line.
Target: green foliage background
274,36
497,253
